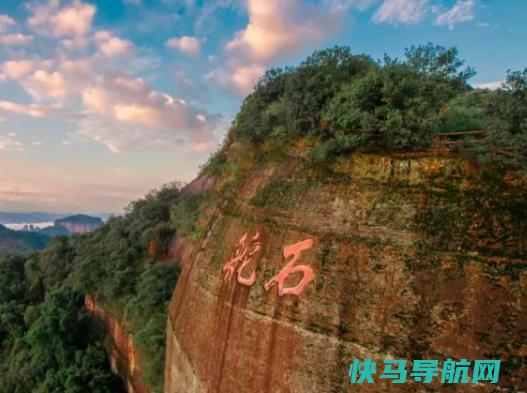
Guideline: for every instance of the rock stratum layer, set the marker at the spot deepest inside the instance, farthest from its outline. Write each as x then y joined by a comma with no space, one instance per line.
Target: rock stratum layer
413,258
122,351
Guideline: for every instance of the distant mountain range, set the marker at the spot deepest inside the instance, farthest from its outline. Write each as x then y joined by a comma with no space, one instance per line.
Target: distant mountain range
32,238
36,217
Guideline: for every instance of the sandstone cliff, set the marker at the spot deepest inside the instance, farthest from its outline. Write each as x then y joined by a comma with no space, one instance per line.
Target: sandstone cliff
418,257
122,351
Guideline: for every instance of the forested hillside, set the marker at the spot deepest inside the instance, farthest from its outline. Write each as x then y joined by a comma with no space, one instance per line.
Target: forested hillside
49,342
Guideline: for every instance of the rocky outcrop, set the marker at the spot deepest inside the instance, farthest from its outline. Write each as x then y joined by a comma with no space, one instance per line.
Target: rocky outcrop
180,248
122,352
412,257
199,185
79,224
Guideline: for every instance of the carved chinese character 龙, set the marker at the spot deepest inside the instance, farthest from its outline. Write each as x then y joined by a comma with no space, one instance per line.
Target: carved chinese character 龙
247,247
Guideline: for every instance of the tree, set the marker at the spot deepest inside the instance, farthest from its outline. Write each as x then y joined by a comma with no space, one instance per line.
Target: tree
436,60
316,80
509,106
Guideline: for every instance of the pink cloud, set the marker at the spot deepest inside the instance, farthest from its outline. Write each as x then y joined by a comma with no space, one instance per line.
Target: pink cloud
277,29
83,83
18,68
186,44
15,39
74,19
43,84
126,113
111,46
31,110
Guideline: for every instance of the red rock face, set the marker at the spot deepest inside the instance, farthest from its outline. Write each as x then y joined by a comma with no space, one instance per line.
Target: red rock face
179,248
401,270
123,355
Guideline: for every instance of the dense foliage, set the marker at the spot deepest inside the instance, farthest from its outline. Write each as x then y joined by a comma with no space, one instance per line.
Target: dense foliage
50,346
49,342
346,102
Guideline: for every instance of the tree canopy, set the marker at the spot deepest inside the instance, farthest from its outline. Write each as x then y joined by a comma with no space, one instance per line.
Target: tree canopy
346,102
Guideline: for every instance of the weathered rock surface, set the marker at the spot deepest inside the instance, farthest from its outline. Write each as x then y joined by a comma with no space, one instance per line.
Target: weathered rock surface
413,258
122,352
79,224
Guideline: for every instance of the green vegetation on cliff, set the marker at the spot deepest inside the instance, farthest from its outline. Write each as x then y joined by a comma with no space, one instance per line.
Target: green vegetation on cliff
346,102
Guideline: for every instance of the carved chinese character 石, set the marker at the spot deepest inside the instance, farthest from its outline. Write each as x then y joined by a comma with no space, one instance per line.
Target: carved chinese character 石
295,251
247,247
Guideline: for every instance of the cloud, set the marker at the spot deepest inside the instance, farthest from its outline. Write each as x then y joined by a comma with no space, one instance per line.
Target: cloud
8,26
81,189
241,78
9,142
15,39
111,46
15,69
489,85
345,5
46,85
404,12
31,110
121,112
74,19
54,80
189,45
462,11
6,22
83,83
125,113
277,29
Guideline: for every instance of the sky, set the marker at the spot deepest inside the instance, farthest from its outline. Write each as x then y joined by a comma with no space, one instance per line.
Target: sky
102,101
